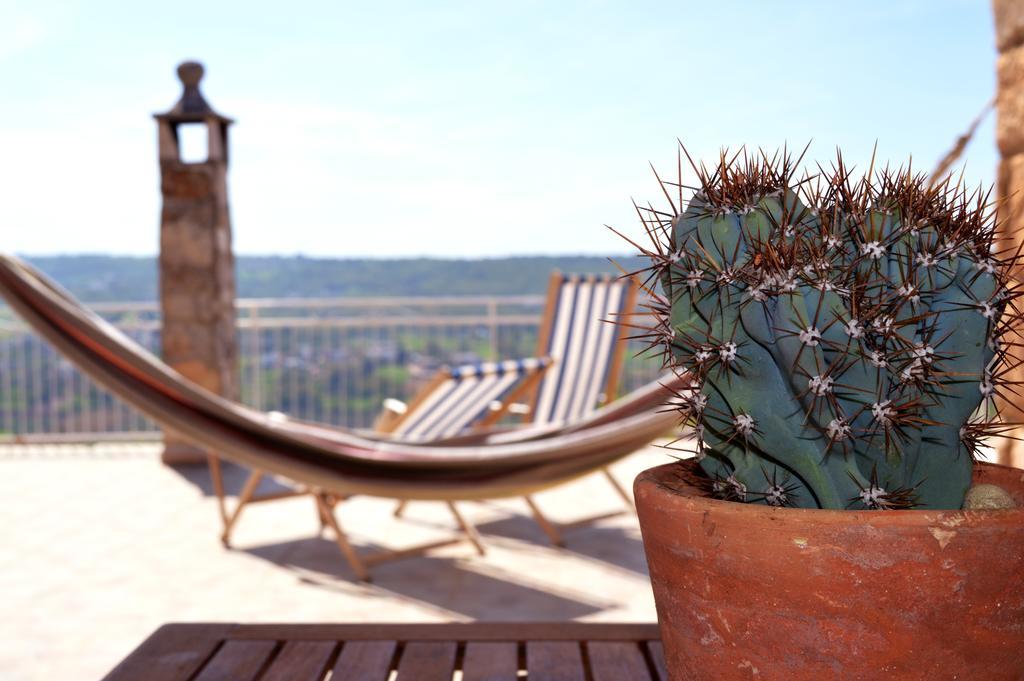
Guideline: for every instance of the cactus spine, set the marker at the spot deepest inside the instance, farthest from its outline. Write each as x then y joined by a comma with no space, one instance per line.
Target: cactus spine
842,334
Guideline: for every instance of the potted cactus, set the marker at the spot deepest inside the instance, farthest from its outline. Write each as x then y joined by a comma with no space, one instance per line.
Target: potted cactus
848,337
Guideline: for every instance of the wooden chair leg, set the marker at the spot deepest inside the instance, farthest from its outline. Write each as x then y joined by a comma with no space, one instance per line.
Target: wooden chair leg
471,533
619,489
247,491
400,509
217,478
331,500
549,527
327,512
324,523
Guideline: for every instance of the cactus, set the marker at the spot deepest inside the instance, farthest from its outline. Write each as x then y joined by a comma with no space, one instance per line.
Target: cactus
844,336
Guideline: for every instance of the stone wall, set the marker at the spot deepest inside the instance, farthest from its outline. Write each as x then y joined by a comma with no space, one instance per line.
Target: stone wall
197,283
1009,19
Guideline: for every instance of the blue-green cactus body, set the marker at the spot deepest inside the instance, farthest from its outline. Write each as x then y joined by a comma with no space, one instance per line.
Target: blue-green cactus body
841,351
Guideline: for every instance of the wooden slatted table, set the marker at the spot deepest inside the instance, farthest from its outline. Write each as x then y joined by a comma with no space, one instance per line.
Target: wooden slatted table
570,651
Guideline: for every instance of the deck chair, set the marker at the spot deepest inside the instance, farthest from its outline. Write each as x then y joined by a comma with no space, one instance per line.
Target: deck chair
332,461
586,347
580,351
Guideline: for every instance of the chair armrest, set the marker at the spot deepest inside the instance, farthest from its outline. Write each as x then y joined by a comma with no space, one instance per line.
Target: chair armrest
397,407
390,414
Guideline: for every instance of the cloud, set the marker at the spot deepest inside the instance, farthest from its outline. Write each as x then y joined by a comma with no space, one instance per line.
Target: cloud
20,33
85,187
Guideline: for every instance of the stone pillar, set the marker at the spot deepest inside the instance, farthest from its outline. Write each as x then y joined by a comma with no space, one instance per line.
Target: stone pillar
197,268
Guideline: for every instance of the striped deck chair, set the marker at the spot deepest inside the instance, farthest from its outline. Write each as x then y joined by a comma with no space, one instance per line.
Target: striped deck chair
581,353
586,349
579,334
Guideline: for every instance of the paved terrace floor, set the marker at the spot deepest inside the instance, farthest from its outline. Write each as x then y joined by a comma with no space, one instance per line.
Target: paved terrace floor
101,544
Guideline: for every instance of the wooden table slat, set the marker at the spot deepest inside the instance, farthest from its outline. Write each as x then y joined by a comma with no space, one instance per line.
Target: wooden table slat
449,631
171,653
566,651
490,661
657,653
301,661
614,661
364,661
427,661
554,661
237,661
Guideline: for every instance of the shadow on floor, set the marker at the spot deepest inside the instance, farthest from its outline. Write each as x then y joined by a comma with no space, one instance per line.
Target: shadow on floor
615,545
440,582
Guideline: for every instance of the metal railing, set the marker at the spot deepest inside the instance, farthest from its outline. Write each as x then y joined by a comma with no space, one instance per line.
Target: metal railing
328,360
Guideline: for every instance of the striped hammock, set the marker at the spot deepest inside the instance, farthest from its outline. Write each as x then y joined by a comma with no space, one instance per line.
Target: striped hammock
345,462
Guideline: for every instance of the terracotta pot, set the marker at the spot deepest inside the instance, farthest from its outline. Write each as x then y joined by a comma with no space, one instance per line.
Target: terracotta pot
751,592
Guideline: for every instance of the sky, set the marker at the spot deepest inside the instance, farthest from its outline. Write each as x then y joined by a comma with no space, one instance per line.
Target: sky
461,129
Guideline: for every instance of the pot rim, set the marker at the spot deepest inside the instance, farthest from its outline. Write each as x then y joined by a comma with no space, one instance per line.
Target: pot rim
690,495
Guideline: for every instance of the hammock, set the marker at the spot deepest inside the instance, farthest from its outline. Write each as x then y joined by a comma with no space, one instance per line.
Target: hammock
342,462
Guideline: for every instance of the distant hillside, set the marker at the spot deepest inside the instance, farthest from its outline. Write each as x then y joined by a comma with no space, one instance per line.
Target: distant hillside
108,278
